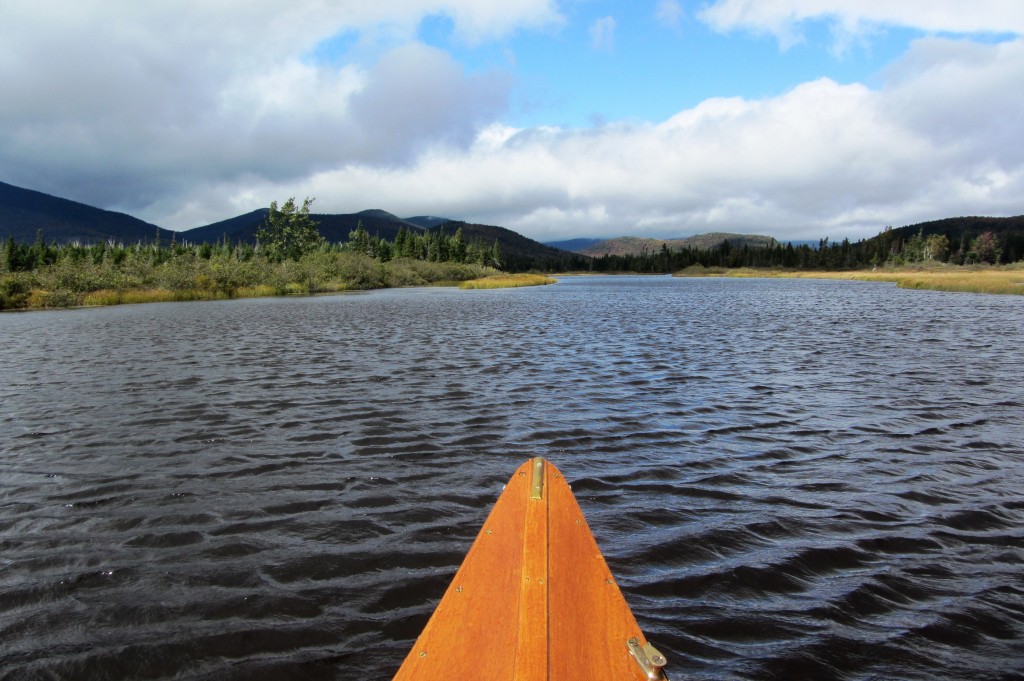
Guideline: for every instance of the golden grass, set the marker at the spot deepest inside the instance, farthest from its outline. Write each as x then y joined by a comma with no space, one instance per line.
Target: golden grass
258,291
136,296
1000,280
163,295
507,281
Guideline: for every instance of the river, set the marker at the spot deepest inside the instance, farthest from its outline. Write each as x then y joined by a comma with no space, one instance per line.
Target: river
789,478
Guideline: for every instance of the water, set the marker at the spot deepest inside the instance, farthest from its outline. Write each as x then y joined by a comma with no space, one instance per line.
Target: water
790,479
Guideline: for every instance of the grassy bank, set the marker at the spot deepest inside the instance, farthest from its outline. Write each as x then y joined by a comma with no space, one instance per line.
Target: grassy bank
138,278
507,281
1007,279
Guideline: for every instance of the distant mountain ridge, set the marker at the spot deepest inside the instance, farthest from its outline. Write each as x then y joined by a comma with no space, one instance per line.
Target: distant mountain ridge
573,245
26,212
427,221
635,245
518,252
333,227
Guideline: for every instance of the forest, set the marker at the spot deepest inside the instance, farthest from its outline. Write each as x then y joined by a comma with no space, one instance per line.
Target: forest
290,256
891,248
43,274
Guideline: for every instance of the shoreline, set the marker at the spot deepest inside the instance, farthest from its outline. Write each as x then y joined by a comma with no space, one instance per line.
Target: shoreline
996,279
111,298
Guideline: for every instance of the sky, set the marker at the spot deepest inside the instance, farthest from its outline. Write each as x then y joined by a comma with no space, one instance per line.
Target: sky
799,119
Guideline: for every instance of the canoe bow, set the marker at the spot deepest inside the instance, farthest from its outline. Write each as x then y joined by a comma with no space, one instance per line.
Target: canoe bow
534,599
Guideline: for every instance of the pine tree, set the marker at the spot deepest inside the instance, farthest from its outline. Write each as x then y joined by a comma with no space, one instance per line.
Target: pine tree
359,240
457,247
10,259
289,232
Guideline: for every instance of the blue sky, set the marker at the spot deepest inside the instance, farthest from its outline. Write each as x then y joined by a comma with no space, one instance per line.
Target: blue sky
647,70
556,118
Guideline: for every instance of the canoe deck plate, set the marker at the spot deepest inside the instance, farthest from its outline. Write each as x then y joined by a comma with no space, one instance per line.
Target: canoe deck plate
650,660
537,482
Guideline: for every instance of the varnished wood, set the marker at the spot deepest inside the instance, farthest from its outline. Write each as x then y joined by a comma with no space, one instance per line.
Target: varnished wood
533,600
590,621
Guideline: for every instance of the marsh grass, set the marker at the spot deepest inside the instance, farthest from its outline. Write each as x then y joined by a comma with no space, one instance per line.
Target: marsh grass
507,281
699,270
135,296
998,280
186,277
162,295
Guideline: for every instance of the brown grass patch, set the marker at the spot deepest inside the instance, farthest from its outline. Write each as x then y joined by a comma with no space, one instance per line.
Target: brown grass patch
507,281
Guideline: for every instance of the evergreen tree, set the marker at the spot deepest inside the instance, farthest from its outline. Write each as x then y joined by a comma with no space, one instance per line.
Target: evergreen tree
457,247
10,257
359,240
400,241
289,232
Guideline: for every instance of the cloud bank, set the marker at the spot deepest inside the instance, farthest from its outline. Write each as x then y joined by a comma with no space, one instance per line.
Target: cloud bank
191,112
824,159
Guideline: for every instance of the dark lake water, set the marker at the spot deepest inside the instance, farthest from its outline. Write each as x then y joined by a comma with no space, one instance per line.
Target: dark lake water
790,479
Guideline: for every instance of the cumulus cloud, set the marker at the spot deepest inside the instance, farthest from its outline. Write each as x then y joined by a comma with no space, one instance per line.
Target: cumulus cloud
120,104
602,34
823,159
189,112
783,18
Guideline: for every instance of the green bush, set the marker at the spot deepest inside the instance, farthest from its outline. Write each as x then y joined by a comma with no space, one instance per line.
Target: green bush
14,290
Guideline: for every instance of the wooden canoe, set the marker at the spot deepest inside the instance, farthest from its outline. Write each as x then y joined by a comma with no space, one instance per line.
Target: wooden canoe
533,599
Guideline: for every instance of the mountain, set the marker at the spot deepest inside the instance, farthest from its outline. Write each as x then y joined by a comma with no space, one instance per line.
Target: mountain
1009,231
23,212
238,228
573,245
333,227
633,245
427,221
518,253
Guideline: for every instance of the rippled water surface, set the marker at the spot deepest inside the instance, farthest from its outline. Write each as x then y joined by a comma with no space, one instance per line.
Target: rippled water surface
790,479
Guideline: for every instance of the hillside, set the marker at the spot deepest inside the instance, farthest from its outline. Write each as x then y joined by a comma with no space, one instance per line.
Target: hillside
23,212
633,245
1010,232
333,227
573,245
427,221
518,253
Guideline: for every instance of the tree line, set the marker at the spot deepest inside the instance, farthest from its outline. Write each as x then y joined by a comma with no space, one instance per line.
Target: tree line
289,256
432,246
288,233
887,249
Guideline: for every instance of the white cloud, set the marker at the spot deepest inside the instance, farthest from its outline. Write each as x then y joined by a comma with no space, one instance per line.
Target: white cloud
669,13
189,112
782,18
602,34
123,103
824,159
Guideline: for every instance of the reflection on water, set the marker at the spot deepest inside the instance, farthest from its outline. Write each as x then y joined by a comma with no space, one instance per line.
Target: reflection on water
791,479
